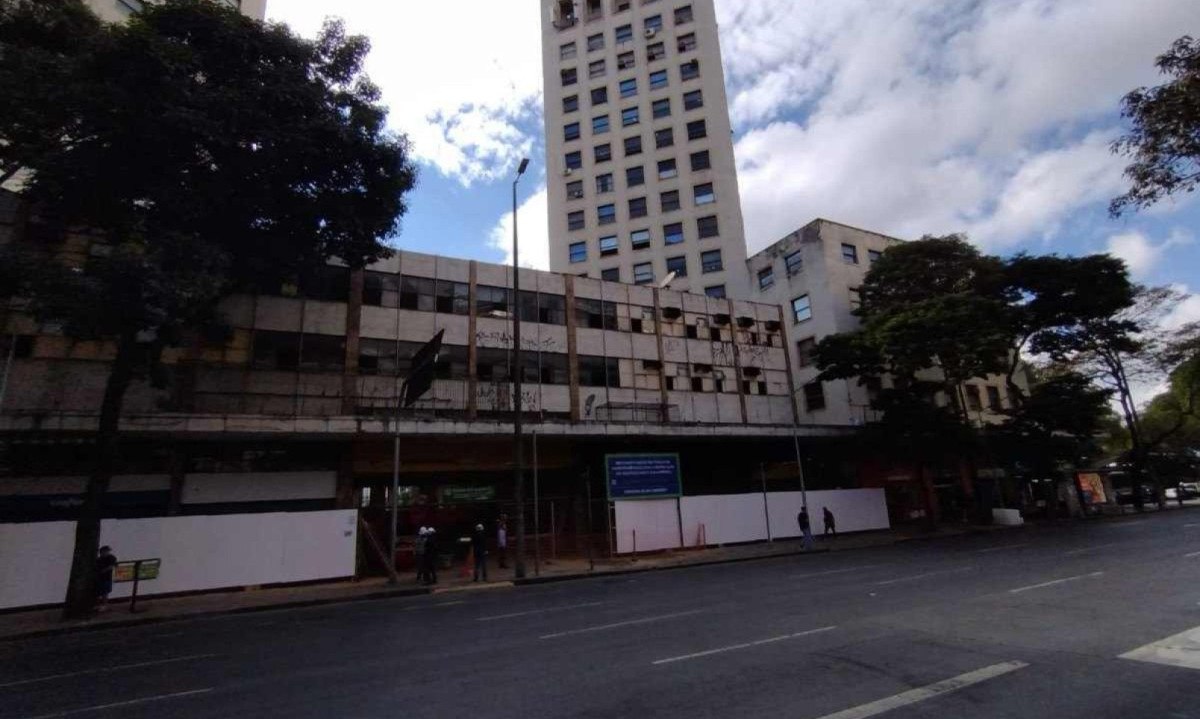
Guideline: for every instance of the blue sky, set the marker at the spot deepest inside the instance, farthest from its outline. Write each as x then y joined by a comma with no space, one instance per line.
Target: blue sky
907,117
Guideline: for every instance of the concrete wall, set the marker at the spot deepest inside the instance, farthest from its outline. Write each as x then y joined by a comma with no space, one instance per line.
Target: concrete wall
198,553
258,487
731,518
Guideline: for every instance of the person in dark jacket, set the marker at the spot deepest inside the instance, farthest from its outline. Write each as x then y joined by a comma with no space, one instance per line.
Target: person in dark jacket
805,527
106,564
479,549
830,522
430,556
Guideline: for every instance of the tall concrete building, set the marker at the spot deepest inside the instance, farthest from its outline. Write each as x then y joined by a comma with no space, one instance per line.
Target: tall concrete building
640,167
118,10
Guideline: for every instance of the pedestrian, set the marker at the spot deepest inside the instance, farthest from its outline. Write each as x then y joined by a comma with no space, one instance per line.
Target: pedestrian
431,555
805,528
106,564
419,553
502,541
479,549
830,522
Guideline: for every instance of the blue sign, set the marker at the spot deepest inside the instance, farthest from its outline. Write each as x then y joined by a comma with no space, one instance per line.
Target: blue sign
643,476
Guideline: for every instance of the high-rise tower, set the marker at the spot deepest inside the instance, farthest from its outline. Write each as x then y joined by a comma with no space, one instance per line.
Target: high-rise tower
640,166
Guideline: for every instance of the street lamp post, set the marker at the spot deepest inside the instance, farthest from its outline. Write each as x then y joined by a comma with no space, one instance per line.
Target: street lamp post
518,444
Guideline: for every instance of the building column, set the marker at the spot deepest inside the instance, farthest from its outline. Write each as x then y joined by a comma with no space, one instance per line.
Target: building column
344,495
787,357
353,334
472,348
177,467
737,362
572,352
664,398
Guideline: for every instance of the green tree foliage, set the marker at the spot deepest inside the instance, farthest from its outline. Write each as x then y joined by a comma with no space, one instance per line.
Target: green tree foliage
206,152
1164,142
1171,421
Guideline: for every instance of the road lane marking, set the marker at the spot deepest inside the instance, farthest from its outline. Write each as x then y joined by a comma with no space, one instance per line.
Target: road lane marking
617,625
746,645
920,694
1179,650
1193,554
1064,580
1001,549
547,610
106,670
915,577
431,606
835,571
1089,549
131,702
1193,524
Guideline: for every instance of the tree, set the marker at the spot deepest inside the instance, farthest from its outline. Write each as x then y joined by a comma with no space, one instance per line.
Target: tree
1171,420
206,153
1164,144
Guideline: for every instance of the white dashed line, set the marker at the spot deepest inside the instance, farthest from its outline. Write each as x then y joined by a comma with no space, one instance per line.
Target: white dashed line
617,625
1054,582
920,694
746,645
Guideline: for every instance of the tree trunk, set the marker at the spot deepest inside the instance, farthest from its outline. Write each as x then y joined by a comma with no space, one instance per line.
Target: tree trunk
81,586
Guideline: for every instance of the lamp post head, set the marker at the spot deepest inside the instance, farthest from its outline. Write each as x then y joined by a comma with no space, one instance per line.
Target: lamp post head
523,166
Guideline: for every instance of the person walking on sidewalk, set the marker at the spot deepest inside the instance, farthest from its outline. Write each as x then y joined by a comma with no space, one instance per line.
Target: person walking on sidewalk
805,528
106,564
479,549
830,522
430,556
419,552
502,541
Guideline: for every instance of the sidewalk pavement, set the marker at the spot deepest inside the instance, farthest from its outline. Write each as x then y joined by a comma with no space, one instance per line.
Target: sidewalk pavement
44,622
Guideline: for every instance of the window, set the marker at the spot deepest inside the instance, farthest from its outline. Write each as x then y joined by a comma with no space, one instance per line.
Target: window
553,367
575,190
689,70
276,350
599,96
621,6
664,138
710,261
624,34
637,207
578,252
994,402
687,43
416,293
670,200
380,290
657,51
567,51
602,153
974,399
643,273
704,194
766,278
855,298
658,80
625,61
850,254
573,160
814,396
569,77
596,69
571,131
794,263
628,88
708,226
609,246
570,103
599,371
633,146
678,265
697,129
873,255
700,161
683,15
715,291
595,42
661,108
453,298
594,9
693,100
629,116
492,301
673,233
612,274
575,220
804,351
492,364
604,183
607,214
639,239
595,314
666,171
600,125
635,176
801,308
322,352
654,23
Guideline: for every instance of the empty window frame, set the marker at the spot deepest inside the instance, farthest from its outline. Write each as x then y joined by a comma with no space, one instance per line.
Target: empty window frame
814,397
599,96
686,43
683,15
611,274
595,314
492,301
804,352
715,291
599,371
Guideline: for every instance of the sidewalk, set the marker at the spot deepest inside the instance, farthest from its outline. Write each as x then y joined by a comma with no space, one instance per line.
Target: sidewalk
42,622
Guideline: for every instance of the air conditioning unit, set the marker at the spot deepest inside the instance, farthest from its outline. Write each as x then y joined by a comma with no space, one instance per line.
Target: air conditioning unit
651,32
567,172
575,195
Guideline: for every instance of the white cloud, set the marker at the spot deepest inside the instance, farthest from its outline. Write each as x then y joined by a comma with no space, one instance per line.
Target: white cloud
1141,254
1186,312
534,232
991,117
458,78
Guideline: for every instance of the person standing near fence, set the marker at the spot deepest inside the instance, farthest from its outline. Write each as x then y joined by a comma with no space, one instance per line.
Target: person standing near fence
830,522
805,528
479,549
106,564
502,541
430,556
419,553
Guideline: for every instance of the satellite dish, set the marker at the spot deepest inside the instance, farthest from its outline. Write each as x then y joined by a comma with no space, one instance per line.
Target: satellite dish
667,280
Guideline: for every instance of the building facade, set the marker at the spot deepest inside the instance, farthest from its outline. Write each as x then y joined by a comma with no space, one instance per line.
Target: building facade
640,169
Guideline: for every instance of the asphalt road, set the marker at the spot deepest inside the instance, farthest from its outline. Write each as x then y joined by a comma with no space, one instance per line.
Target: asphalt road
1021,623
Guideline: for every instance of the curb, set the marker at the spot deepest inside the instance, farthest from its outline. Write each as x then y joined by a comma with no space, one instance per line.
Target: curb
643,570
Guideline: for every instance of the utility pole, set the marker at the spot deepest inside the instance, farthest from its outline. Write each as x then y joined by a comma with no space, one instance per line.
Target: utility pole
518,444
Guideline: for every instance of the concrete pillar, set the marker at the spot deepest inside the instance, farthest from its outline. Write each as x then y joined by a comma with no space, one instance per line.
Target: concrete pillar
787,357
472,349
572,352
664,398
353,335
737,362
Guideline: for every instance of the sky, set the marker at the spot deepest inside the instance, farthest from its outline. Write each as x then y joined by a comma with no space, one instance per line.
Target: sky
905,117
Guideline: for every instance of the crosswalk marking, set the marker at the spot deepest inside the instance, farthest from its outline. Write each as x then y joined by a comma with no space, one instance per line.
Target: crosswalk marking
920,694
1179,650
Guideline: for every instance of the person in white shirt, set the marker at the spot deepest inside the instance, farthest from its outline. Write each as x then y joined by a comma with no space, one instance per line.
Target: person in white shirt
502,541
